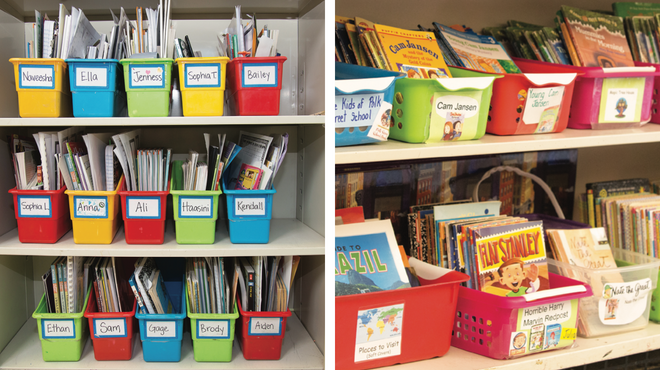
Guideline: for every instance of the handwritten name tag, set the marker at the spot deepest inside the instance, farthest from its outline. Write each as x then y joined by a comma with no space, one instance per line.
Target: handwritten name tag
58,328
250,207
161,329
265,326
36,77
90,207
260,75
109,328
92,77
213,329
203,75
195,207
33,206
151,76
143,207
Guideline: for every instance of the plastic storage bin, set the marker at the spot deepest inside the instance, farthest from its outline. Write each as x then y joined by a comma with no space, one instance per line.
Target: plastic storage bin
254,85
161,334
363,99
97,87
94,215
621,299
527,103
111,332
260,334
443,109
42,86
202,82
249,213
508,327
655,107
603,97
147,83
422,333
42,215
144,215
212,335
63,335
195,211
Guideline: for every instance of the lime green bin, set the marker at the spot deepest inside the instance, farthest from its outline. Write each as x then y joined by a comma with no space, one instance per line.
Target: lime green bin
147,84
195,211
212,335
63,335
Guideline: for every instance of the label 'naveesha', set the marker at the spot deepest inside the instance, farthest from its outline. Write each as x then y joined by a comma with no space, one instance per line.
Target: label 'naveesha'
37,77
250,207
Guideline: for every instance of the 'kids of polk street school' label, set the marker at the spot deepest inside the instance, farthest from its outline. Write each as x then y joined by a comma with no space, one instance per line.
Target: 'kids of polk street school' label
623,303
378,333
544,327
621,100
363,111
455,115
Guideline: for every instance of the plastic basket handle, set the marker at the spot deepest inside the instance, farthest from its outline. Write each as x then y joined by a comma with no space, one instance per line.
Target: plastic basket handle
536,179
554,292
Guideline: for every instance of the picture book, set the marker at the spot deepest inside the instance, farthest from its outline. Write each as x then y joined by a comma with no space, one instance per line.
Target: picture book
371,43
598,190
367,259
599,39
477,52
415,53
622,9
511,259
248,177
582,247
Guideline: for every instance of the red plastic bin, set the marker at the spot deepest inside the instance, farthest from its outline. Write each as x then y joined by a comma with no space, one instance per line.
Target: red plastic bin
44,218
111,332
144,220
265,345
254,85
585,107
426,324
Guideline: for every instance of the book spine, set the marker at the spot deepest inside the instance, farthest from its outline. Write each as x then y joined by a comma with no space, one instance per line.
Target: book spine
367,51
369,37
590,207
56,290
137,295
412,233
570,44
99,306
381,51
60,274
72,171
251,292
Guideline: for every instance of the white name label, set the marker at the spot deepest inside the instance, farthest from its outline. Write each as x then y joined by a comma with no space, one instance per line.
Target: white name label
265,326
542,107
200,207
203,76
93,77
109,328
33,206
456,104
250,207
259,75
38,77
94,207
152,76
142,207
546,314
58,329
213,329
161,329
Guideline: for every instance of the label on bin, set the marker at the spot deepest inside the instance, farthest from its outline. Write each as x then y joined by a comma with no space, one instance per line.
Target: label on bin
623,303
455,115
259,75
161,329
213,329
250,206
196,207
265,326
92,77
379,332
110,328
203,75
90,207
36,77
542,327
147,76
143,207
542,107
621,100
58,329
33,206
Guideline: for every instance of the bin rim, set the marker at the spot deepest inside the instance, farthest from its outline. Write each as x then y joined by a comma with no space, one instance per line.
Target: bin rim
95,192
211,316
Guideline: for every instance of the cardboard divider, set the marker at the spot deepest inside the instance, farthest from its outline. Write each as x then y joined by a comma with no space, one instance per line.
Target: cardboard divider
254,85
42,215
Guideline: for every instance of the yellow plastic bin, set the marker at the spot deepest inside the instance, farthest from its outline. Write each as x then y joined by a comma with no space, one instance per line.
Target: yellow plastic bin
95,215
202,82
42,86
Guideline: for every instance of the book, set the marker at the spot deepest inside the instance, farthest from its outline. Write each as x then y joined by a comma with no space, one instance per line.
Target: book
248,178
582,247
367,259
598,190
56,288
631,9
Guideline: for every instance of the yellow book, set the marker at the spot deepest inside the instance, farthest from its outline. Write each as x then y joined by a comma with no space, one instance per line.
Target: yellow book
415,53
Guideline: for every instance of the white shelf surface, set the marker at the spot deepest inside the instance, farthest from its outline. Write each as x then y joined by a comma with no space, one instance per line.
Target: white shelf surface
587,350
298,352
163,121
287,237
393,150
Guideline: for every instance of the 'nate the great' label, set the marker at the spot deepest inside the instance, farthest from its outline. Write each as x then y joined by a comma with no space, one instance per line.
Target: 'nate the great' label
92,77
90,207
213,329
143,207
250,207
259,75
195,207
37,77
33,206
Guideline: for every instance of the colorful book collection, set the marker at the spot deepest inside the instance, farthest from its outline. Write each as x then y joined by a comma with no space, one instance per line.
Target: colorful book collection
243,40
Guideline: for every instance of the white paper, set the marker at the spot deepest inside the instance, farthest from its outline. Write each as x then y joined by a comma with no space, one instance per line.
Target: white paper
96,144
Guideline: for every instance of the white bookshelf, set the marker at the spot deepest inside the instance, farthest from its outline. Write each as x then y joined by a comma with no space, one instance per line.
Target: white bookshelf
298,224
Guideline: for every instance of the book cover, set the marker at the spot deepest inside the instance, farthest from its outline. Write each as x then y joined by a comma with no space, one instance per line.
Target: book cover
415,53
599,39
635,8
511,259
248,177
367,259
582,247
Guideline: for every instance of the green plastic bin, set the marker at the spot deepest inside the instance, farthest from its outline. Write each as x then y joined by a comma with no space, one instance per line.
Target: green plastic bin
195,211
63,335
147,83
213,345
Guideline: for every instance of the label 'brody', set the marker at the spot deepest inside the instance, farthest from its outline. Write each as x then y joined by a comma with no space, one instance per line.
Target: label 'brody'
36,77
250,206
217,329
196,207
260,75
91,77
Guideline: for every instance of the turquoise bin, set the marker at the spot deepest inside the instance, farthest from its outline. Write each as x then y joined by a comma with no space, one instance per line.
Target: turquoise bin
163,342
249,213
97,87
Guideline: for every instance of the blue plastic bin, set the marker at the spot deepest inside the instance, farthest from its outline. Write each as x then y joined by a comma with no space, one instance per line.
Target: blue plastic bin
97,87
163,342
359,83
249,213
